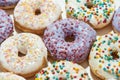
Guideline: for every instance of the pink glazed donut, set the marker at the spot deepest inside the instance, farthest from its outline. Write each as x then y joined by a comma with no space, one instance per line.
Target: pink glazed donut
116,20
78,49
6,25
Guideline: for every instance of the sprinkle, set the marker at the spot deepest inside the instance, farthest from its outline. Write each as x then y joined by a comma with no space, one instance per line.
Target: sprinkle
79,1
100,65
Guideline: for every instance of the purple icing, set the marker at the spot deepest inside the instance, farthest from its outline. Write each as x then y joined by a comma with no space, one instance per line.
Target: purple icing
116,20
77,51
6,26
4,3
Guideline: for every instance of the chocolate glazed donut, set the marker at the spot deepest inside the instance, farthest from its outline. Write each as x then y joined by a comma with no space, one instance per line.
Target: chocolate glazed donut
76,50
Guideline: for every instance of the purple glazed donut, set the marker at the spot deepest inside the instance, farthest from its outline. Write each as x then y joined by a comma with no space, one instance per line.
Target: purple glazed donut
78,49
116,20
5,4
6,26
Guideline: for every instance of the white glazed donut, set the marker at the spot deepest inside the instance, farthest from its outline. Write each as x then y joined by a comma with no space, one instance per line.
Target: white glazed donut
10,76
96,12
29,44
104,58
35,15
63,70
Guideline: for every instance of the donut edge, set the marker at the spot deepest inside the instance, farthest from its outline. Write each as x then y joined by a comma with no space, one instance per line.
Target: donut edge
28,75
24,29
7,7
96,73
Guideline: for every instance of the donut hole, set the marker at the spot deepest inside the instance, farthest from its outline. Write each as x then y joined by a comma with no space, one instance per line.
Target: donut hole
20,54
69,38
89,5
37,12
115,54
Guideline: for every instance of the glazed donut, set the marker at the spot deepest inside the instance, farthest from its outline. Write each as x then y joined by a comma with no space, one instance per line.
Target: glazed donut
116,21
7,4
104,58
10,76
63,70
6,25
59,48
98,13
34,15
33,58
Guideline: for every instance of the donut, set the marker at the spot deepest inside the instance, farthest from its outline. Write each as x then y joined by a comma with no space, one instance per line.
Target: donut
97,13
104,58
10,76
6,25
116,21
63,70
7,4
34,15
77,50
23,54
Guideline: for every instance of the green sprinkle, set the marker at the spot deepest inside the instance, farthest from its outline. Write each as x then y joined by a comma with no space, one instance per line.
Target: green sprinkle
81,75
53,77
94,45
78,1
75,15
104,69
103,42
56,79
36,75
116,38
99,60
58,71
78,12
109,64
105,49
111,52
112,69
97,49
66,1
109,42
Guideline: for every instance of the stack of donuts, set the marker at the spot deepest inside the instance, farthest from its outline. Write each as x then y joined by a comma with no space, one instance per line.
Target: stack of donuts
55,37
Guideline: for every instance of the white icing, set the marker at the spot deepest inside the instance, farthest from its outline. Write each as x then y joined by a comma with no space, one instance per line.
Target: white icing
24,13
10,76
27,43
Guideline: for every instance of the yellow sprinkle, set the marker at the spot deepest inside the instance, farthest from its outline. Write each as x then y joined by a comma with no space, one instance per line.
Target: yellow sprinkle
82,14
112,9
38,79
97,56
119,46
109,71
109,49
92,9
49,68
61,72
102,61
100,38
112,1
100,65
104,0
88,12
76,70
99,50
114,41
119,74
119,64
